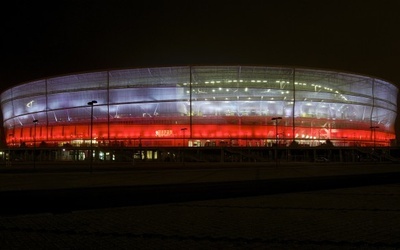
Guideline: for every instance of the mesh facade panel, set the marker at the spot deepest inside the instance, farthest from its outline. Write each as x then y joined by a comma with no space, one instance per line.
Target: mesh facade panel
204,103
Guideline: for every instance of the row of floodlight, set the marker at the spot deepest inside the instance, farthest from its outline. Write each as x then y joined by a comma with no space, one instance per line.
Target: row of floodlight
315,86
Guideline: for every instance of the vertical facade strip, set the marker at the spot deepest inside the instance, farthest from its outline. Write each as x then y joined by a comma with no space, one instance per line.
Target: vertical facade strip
108,106
293,106
47,108
13,111
373,104
190,103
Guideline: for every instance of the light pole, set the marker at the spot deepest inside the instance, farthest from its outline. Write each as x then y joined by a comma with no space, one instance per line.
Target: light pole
34,144
183,144
183,140
373,130
91,104
276,119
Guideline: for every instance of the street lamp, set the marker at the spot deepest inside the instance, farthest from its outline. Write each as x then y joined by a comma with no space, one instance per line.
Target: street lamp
91,104
373,130
183,144
276,119
34,144
183,140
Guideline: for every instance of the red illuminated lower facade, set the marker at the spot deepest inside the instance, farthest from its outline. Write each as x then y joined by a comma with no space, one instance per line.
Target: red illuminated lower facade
252,132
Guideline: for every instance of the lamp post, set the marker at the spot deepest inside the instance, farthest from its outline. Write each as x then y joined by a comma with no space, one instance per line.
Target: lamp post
373,130
91,104
34,144
183,140
183,144
276,119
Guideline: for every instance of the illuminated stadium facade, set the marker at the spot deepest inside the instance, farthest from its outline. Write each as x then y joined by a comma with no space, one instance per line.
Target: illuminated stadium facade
201,106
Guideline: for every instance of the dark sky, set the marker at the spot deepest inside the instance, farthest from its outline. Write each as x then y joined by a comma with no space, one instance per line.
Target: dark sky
60,37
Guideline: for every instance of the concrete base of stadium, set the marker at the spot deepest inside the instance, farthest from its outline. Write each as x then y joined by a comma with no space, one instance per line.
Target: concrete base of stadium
198,206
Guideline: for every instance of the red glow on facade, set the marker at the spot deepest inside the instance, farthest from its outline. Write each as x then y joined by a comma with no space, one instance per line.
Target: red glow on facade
171,135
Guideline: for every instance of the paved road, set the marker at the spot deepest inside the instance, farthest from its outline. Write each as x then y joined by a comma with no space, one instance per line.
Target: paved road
79,176
303,207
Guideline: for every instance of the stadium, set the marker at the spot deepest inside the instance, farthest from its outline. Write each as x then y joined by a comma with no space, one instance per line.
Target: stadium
201,106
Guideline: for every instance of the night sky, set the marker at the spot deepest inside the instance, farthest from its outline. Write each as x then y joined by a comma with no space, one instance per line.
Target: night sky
61,37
